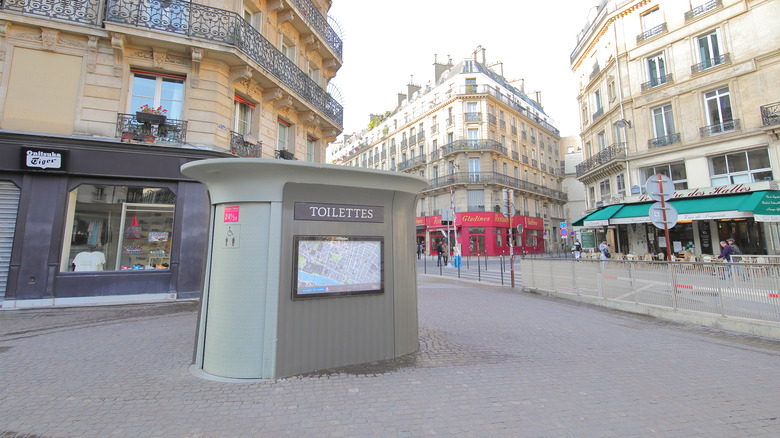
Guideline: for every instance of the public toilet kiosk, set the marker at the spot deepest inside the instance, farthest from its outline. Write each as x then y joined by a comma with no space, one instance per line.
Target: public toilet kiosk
310,267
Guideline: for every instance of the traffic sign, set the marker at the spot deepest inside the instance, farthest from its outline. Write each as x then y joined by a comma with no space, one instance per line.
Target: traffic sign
564,231
656,214
665,190
563,225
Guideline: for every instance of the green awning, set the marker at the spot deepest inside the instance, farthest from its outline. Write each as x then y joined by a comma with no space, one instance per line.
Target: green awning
764,205
598,217
710,207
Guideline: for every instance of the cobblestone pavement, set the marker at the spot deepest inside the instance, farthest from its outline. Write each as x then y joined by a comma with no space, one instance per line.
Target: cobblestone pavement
493,362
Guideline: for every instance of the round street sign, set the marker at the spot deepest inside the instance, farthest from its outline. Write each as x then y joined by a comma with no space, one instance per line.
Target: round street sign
656,214
564,231
656,192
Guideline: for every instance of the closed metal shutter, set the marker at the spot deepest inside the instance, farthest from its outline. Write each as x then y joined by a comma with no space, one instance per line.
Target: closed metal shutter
9,204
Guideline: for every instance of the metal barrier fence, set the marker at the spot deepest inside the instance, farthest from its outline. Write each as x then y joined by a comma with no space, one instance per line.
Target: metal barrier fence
725,289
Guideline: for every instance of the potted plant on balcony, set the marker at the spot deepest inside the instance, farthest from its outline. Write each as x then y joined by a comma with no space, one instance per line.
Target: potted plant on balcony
151,115
285,154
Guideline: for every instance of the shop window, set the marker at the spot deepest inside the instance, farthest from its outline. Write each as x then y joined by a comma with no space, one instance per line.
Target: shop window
113,228
741,167
157,90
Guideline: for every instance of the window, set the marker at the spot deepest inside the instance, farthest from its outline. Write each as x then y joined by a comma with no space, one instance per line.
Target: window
718,107
476,200
471,85
255,19
597,101
314,73
611,95
113,228
741,167
601,137
656,70
285,135
311,149
157,90
288,49
709,50
592,195
620,181
604,189
663,125
675,171
651,19
473,137
474,169
242,115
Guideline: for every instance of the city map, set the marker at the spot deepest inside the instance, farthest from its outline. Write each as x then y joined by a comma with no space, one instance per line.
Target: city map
331,265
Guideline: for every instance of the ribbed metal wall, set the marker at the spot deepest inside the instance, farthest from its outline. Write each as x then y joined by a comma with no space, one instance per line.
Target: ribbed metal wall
9,205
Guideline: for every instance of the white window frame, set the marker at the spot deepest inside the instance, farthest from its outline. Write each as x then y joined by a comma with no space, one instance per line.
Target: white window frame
656,62
285,136
663,120
173,104
713,100
741,176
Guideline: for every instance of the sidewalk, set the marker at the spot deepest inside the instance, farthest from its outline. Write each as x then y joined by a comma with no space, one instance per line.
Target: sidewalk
493,362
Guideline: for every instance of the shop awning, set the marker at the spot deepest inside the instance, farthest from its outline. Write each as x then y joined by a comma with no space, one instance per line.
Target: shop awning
598,217
764,205
711,207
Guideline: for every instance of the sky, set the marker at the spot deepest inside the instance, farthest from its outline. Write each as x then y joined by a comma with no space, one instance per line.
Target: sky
388,44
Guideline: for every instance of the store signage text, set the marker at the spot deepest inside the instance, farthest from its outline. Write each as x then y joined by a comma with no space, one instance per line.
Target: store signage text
725,190
43,159
339,213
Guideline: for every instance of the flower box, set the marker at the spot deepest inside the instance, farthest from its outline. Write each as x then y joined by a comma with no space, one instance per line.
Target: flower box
154,119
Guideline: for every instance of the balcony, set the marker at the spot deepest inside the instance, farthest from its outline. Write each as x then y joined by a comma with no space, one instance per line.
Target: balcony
515,155
613,152
435,128
502,125
242,148
165,131
666,140
320,25
404,144
720,128
472,145
82,12
695,12
494,178
420,136
492,119
657,81
514,130
435,155
450,121
709,63
383,155
534,162
411,163
525,159
661,28
191,20
770,114
472,117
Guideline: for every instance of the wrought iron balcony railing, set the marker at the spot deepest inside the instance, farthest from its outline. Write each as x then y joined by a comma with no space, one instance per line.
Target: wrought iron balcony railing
284,154
665,140
599,112
492,119
494,178
471,145
709,63
770,114
411,163
420,136
320,24
450,121
720,128
651,32
193,20
78,11
383,155
435,128
610,153
514,130
435,155
472,117
525,159
657,81
502,124
240,147
168,131
404,144
710,5
515,155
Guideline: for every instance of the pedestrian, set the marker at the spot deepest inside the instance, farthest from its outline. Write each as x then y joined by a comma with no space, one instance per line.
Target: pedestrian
734,248
577,249
725,255
438,252
604,248
419,250
446,252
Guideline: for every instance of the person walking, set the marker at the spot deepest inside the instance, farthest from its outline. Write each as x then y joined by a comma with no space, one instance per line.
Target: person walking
577,249
446,252
725,255
419,250
438,252
604,248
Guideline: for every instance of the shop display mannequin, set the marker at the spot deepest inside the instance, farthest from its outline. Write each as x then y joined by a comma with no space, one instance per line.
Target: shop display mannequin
89,260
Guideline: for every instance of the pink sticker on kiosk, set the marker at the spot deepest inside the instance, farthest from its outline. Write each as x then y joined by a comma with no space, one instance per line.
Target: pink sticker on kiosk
231,214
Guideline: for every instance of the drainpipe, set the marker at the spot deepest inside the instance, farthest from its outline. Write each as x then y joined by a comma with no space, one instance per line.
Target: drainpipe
622,112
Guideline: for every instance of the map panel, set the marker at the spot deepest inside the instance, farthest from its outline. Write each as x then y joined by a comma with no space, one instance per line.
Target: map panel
338,265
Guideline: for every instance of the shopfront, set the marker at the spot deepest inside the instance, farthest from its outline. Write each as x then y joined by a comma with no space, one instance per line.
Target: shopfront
102,222
484,233
748,213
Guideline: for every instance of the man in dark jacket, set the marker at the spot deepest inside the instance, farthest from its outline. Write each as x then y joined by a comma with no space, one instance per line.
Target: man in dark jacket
726,251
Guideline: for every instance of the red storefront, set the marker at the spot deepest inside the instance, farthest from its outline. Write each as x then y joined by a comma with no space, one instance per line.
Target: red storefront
485,233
